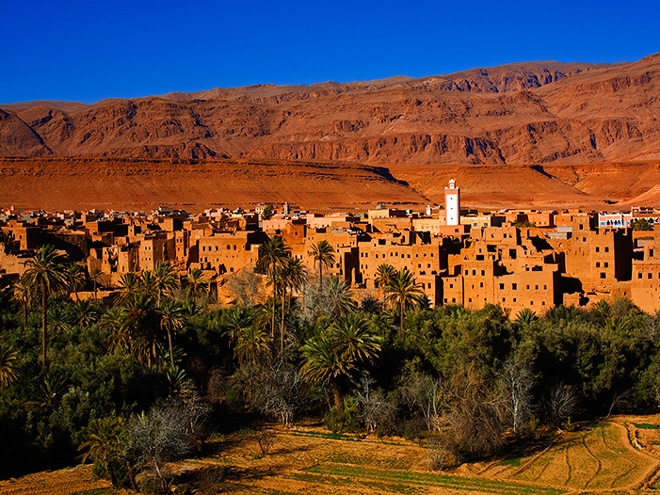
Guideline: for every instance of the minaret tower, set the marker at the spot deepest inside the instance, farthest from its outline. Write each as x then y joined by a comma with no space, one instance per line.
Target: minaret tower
453,204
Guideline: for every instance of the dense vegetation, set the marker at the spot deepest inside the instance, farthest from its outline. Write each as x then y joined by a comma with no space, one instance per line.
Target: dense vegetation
130,383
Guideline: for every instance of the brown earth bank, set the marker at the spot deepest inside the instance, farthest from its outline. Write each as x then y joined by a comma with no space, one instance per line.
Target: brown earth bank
597,186
535,112
142,184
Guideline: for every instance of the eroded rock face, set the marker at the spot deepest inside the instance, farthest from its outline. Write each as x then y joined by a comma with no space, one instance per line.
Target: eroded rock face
538,112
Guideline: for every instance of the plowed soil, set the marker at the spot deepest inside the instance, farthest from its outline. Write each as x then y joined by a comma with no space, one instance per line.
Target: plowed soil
619,455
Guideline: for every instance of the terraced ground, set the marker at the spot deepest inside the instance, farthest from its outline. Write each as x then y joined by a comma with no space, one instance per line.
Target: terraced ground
615,456
599,458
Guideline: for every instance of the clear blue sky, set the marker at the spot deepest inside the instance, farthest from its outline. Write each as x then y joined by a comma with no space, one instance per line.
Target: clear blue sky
87,51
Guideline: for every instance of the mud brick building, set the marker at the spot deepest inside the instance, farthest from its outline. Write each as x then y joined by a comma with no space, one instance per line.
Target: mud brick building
645,284
474,260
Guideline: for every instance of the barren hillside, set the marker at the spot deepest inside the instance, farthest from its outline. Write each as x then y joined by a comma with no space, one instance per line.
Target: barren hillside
136,184
144,183
530,113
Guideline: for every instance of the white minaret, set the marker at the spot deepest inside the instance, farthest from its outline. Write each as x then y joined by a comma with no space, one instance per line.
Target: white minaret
453,204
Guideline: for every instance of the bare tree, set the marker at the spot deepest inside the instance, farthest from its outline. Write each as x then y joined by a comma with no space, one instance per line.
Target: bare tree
518,380
375,411
210,479
164,433
246,286
476,412
265,439
280,391
561,404
422,391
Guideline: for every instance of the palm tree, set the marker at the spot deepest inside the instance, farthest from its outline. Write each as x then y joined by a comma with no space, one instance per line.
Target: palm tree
95,275
171,320
251,342
104,445
404,291
113,322
272,253
235,319
292,276
323,365
51,391
58,318
129,285
84,313
337,353
195,285
76,278
164,280
384,275
46,275
322,252
337,297
357,342
23,295
526,317
8,372
138,333
148,283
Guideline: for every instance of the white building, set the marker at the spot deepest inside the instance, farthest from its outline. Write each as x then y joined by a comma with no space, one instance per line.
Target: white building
453,204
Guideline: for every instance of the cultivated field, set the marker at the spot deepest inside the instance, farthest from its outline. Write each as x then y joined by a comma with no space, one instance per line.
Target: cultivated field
620,455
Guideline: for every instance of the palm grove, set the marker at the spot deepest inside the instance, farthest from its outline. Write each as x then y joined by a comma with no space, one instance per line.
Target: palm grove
135,383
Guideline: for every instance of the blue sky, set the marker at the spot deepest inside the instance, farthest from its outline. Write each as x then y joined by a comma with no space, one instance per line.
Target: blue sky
87,51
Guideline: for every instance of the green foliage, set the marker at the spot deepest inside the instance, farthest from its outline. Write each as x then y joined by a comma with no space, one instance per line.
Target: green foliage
476,373
344,419
323,254
105,446
403,292
8,370
268,212
641,224
647,426
524,223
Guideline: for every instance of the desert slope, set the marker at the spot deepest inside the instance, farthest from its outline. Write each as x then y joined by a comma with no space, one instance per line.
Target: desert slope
530,113
144,184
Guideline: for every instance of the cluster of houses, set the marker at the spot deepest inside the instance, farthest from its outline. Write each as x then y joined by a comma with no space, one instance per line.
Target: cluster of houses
517,259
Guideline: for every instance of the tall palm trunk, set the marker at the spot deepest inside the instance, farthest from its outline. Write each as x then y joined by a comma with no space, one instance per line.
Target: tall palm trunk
282,326
169,341
25,317
44,313
336,395
402,311
272,323
321,275
272,326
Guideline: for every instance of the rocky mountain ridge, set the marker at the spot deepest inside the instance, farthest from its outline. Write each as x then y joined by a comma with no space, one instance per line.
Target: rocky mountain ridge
536,112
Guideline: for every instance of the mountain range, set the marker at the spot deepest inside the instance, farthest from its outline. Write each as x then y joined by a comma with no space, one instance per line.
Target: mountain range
534,134
527,113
